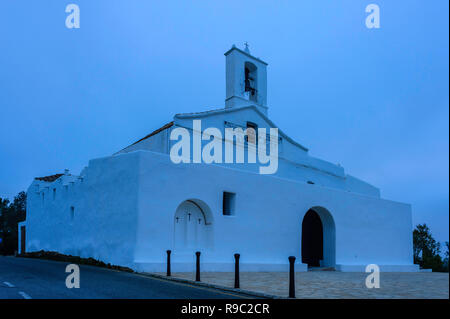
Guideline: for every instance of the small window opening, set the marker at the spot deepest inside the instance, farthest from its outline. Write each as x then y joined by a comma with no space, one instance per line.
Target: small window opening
252,132
72,213
228,203
54,193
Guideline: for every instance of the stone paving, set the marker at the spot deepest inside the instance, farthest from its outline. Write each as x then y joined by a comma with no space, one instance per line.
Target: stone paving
332,284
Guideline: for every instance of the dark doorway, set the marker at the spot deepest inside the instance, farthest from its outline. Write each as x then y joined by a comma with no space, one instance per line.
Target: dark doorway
312,239
22,239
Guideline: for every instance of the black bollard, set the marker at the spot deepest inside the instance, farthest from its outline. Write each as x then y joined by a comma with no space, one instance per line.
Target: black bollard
236,270
168,263
291,277
197,271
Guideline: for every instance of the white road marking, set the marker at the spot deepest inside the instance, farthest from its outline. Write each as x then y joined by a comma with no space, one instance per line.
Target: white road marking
24,295
10,285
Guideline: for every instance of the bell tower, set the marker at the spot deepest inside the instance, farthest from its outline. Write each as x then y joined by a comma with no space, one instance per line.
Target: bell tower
246,79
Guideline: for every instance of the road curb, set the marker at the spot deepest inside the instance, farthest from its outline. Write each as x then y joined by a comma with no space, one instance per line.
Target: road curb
214,286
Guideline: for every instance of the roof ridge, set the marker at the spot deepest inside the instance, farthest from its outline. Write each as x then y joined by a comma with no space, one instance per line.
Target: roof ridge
162,128
202,112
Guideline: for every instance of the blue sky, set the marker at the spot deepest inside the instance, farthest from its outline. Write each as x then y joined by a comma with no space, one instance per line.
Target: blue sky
374,100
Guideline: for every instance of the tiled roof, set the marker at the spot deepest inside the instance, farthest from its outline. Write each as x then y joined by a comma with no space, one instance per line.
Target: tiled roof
50,178
155,132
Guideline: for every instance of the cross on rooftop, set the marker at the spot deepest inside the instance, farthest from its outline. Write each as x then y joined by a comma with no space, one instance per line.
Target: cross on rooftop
246,47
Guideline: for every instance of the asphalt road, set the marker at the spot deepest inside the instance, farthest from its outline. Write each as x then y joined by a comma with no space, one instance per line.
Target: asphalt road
25,278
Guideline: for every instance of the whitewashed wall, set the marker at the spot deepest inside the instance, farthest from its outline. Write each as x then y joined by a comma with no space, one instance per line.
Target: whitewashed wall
125,207
266,227
105,212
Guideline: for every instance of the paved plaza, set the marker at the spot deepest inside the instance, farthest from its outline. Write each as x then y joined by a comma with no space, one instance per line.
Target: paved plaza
332,284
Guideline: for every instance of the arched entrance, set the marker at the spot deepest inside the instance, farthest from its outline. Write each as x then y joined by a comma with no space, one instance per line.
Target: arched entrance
312,239
192,226
318,238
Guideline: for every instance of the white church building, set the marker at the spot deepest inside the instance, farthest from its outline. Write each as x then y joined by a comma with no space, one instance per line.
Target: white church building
131,207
